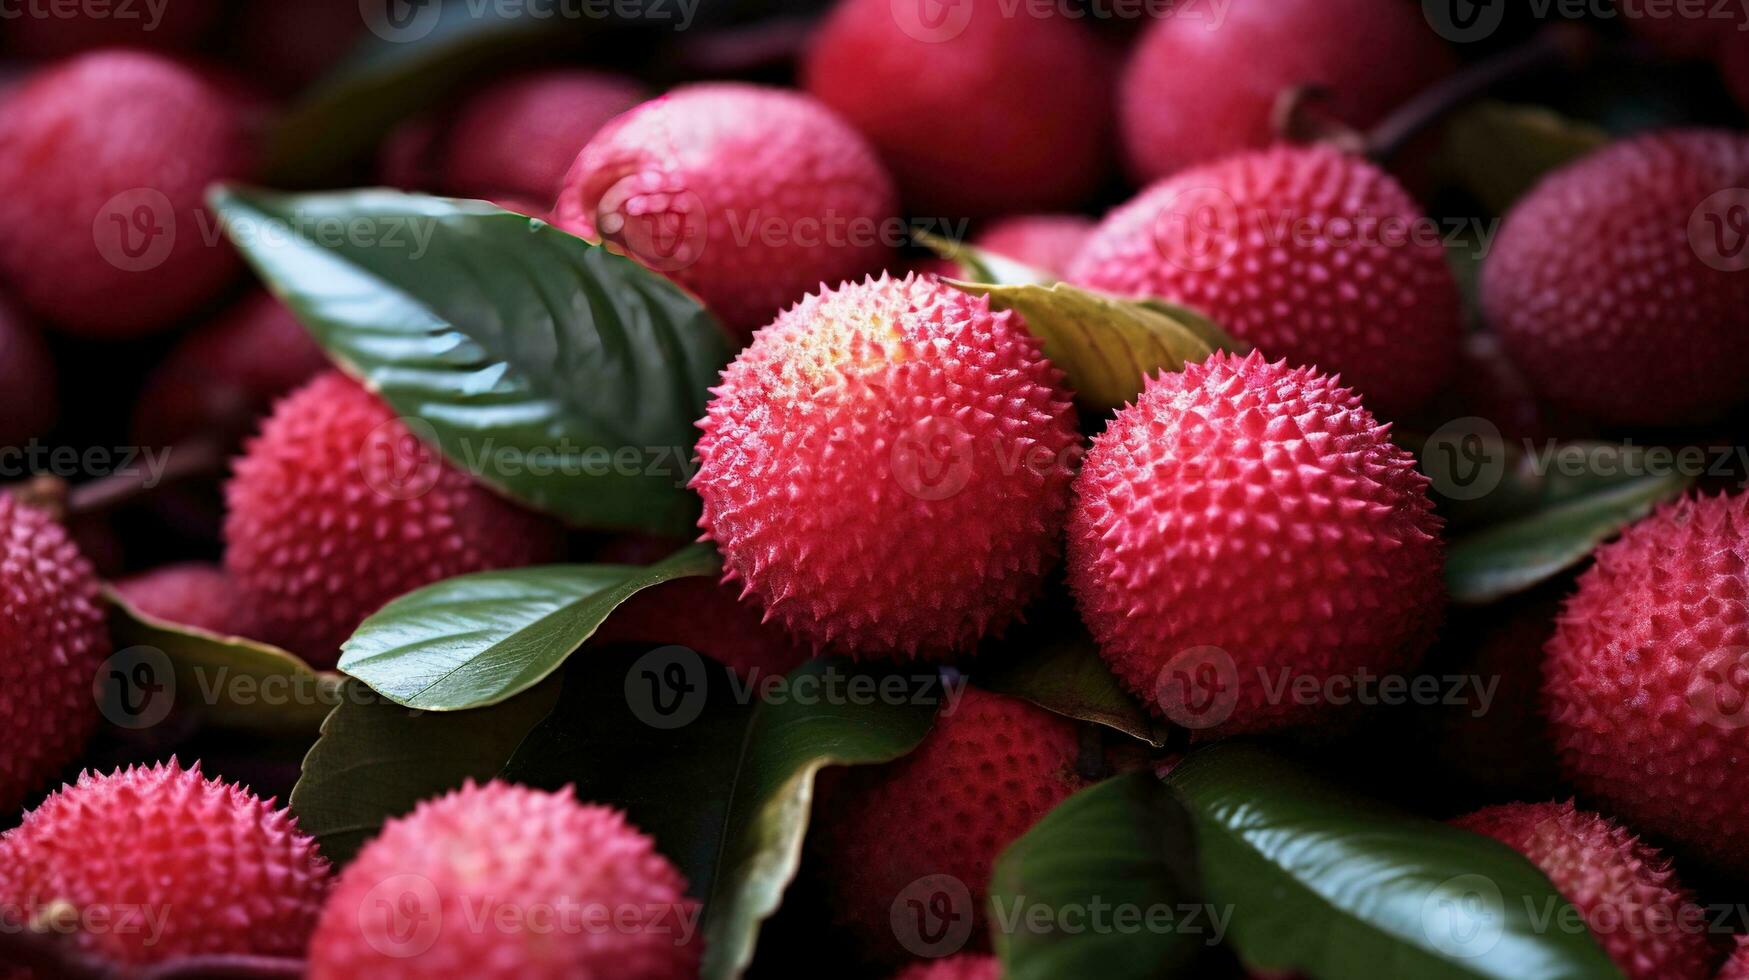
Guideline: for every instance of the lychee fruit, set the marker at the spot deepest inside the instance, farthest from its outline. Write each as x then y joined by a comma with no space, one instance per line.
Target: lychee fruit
1737,967
569,890
747,196
1244,533
858,427
705,616
1046,242
1310,254
1227,72
519,136
53,636
975,109
1611,282
27,380
934,822
68,29
190,594
104,161
965,966
336,507
145,865
1645,679
1624,890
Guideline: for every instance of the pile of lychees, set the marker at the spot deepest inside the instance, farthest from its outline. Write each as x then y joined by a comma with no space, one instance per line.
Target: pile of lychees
896,469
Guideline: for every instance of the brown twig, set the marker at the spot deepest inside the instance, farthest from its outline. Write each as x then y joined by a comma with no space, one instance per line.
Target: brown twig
184,461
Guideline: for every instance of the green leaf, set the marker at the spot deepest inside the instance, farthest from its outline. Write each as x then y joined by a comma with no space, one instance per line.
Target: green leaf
376,759
234,683
1104,344
979,265
1509,558
1498,150
477,639
1324,884
1121,848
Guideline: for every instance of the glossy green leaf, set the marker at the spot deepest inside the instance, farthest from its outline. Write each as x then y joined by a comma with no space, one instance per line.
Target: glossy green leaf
1323,883
477,639
562,374
1499,151
1104,886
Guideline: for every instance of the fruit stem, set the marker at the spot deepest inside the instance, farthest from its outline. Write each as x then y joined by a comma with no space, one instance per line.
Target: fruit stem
184,461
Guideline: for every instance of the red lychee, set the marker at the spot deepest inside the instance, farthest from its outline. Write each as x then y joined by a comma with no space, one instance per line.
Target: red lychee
1623,889
1308,253
27,380
145,865
1245,532
1644,681
966,966
748,196
705,616
1201,84
518,137
104,161
933,823
500,881
1612,283
52,638
59,30
337,507
978,109
1737,967
1046,242
191,594
887,466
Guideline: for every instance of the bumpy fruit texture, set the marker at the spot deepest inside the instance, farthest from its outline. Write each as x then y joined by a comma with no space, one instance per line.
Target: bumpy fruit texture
886,468
518,137
1643,682
1737,967
27,380
966,966
1047,242
705,616
1306,252
104,161
1197,88
337,507
1648,923
1243,524
191,594
56,31
979,110
52,639
1598,287
748,196
550,873
988,771
195,865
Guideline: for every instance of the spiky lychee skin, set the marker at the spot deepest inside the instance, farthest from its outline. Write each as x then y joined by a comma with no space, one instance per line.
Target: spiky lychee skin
52,639
983,113
988,771
1306,252
1600,294
1737,967
1047,242
194,866
336,507
966,966
1643,679
707,617
857,427
27,380
1228,75
519,136
1260,510
191,594
513,850
102,160
746,195
1642,916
